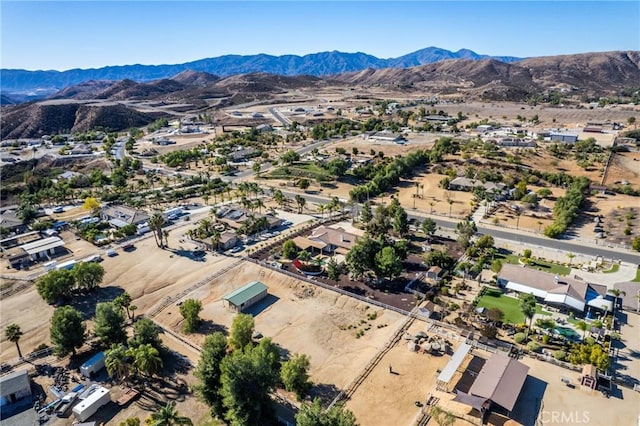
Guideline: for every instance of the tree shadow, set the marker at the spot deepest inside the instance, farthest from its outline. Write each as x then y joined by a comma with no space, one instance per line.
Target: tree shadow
86,304
189,254
207,327
325,391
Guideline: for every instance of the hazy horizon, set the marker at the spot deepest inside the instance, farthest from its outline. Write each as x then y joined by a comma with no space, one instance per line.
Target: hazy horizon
53,35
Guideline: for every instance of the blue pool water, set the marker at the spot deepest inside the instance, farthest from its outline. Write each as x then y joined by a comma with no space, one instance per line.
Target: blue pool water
567,332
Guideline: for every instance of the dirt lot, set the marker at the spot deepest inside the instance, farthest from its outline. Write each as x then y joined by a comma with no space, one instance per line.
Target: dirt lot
136,272
625,166
386,398
290,316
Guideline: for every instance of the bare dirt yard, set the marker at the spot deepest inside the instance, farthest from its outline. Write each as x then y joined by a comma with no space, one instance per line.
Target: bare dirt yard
624,167
389,393
148,274
300,318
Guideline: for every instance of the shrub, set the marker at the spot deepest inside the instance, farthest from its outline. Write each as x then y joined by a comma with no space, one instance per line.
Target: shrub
519,337
560,355
545,339
533,346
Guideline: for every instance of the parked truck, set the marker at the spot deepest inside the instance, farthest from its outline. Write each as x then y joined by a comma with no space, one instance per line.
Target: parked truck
88,406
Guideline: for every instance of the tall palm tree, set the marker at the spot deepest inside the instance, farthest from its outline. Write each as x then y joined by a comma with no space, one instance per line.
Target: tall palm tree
13,334
146,359
528,308
215,239
155,223
116,362
259,204
616,292
168,416
582,326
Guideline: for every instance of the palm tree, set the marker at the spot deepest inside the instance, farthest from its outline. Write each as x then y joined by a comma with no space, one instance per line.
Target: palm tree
450,201
570,256
215,239
259,204
205,198
301,202
582,326
146,359
528,308
616,292
116,363
155,223
168,416
13,334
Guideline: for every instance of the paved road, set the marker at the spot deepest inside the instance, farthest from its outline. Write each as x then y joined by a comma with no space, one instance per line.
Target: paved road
510,235
280,117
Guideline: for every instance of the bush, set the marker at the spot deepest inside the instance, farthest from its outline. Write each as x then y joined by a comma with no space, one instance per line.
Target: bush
545,339
560,355
519,337
533,346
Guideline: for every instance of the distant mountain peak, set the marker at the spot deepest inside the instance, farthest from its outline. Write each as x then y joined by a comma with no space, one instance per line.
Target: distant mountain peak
316,64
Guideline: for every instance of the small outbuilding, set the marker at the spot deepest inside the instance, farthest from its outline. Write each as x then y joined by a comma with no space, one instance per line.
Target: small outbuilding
246,296
15,388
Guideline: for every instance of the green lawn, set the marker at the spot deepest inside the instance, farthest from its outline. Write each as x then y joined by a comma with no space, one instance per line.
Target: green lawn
553,268
614,268
508,305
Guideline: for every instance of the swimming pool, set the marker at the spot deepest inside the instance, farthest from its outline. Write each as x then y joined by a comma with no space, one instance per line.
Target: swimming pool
568,333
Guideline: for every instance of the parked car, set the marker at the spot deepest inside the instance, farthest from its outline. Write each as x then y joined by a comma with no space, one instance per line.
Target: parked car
58,210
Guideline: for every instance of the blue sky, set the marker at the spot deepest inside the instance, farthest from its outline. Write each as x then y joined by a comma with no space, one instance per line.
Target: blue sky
90,34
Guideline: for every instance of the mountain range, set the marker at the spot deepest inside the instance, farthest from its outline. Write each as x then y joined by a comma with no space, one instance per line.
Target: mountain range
126,103
316,64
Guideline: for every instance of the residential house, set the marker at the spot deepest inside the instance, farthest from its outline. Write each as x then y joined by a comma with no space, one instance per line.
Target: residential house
434,273
81,149
228,240
235,217
328,240
10,220
466,184
563,292
121,215
243,154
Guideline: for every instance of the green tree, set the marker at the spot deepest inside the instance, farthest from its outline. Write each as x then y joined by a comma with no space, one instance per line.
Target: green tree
88,275
131,421
289,249
123,301
303,184
116,361
334,269
295,375
289,157
146,359
388,263
169,416
400,222
429,227
109,324
190,311
635,243
13,334
208,371
55,285
241,331
584,327
247,378
314,415
496,265
67,330
528,308
145,332
365,214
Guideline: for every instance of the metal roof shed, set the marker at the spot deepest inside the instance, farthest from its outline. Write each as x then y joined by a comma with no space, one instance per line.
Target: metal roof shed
14,387
500,380
245,296
42,245
452,366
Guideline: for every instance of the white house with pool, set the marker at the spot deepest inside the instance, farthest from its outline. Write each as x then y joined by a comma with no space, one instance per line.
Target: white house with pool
563,292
